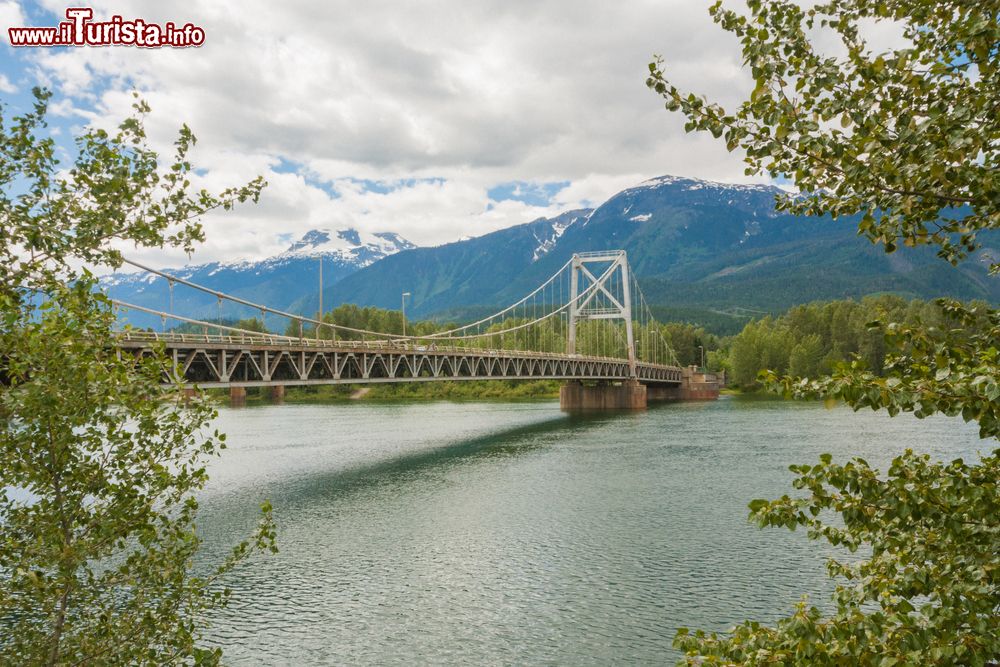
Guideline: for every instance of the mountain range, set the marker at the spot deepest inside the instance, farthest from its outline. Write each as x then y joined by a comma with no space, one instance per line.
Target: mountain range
280,281
696,247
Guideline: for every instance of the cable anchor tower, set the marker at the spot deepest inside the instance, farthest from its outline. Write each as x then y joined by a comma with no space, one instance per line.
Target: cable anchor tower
609,295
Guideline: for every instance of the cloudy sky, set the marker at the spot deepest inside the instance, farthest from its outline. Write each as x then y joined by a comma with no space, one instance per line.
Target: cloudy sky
436,120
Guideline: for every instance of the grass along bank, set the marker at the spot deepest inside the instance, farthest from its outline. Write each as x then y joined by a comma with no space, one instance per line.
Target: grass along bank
507,390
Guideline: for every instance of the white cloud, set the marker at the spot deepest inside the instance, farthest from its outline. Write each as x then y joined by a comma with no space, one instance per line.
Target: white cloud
11,16
474,94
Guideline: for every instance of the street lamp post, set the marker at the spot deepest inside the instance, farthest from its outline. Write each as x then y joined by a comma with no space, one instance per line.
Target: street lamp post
403,310
702,348
320,318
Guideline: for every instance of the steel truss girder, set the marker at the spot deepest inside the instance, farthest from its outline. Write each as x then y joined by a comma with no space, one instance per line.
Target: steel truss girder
228,365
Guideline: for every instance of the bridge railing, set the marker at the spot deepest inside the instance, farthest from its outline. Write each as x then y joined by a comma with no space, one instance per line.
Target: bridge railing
273,340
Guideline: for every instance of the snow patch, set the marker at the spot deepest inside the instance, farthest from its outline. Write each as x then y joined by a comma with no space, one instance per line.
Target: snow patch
661,180
701,184
642,217
548,243
348,245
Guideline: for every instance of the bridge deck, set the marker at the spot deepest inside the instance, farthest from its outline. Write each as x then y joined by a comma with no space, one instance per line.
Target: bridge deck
260,360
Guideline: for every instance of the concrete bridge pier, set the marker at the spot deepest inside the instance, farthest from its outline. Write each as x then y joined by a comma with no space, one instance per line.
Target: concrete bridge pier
657,393
277,393
576,396
237,396
695,385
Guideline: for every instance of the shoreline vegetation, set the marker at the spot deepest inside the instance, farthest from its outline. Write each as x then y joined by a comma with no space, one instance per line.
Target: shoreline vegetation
474,390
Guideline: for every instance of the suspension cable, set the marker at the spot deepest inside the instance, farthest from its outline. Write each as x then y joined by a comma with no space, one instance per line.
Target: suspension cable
443,335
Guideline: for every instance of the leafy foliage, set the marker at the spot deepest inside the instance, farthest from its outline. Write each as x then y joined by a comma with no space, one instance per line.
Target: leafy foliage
98,460
954,370
896,136
926,596
916,154
115,191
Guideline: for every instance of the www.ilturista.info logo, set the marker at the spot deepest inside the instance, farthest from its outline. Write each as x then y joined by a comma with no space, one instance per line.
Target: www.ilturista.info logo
80,30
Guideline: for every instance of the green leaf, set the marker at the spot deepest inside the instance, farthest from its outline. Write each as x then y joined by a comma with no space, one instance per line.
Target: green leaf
757,504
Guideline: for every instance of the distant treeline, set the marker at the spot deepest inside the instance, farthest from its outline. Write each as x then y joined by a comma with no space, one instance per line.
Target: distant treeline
811,339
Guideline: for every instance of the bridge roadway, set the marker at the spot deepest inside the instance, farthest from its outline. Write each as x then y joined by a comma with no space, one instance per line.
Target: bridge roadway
211,360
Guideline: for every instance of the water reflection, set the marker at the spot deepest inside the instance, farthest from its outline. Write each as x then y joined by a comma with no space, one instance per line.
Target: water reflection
510,533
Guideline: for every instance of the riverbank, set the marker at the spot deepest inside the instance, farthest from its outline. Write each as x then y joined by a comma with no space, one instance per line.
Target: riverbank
754,394
472,390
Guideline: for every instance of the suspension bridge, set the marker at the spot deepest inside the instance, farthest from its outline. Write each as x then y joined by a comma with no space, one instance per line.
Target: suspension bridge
588,325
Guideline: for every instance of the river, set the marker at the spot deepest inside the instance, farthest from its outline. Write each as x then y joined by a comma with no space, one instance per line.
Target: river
510,533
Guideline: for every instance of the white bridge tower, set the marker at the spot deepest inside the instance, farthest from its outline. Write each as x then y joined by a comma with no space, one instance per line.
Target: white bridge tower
610,300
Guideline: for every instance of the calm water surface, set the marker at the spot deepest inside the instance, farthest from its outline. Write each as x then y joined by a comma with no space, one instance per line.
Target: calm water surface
495,533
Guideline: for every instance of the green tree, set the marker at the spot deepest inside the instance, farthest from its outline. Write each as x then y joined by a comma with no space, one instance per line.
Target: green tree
686,341
98,459
906,137
251,324
909,139
761,344
806,357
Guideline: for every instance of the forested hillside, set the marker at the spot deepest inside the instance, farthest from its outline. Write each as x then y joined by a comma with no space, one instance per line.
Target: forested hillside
719,249
811,339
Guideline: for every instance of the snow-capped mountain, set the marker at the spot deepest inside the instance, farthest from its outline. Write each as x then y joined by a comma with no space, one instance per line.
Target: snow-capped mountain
349,245
289,279
466,272
692,243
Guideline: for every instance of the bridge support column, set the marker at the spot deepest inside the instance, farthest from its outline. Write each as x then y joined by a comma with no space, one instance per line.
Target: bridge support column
656,393
699,385
629,395
237,396
695,386
277,393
